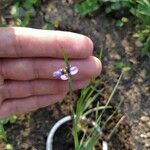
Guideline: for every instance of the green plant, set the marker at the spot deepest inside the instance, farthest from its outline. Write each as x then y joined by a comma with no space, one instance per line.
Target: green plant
87,7
3,122
121,66
143,34
142,12
146,49
3,135
90,127
22,11
116,5
138,8
3,23
8,147
122,22
83,110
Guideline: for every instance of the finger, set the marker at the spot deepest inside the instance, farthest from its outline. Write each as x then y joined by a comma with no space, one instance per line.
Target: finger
29,69
15,106
1,80
23,89
27,42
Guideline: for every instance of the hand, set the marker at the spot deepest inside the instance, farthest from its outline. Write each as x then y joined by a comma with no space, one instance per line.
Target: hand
28,58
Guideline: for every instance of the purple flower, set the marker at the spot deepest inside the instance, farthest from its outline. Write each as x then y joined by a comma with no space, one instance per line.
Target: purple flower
65,72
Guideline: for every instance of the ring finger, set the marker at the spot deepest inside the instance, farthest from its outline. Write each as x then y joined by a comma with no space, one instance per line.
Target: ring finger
22,89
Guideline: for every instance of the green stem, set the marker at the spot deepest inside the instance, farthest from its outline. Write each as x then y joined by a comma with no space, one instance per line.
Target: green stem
111,95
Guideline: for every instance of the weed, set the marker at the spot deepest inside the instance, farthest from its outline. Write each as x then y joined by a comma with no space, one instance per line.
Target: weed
8,147
22,11
82,123
87,118
122,22
3,122
87,6
142,12
139,8
122,66
144,35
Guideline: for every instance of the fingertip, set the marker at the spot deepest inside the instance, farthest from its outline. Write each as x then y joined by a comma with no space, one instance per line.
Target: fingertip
98,65
89,46
77,85
76,45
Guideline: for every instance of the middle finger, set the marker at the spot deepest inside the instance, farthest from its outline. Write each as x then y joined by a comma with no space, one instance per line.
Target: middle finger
38,68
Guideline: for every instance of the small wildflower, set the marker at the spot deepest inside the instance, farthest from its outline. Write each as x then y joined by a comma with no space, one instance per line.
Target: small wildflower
65,72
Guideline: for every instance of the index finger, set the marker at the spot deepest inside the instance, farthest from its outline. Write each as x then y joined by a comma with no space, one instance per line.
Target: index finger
26,42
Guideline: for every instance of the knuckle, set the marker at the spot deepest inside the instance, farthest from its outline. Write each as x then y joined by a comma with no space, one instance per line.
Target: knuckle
36,103
1,80
7,91
17,46
35,69
1,100
32,88
13,108
1,94
1,70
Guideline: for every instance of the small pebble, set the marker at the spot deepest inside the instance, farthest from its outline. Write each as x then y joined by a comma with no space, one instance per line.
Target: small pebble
148,124
148,135
147,145
9,147
139,43
143,136
144,118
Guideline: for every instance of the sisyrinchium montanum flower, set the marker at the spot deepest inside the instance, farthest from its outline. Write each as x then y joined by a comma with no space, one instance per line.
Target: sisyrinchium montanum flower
64,73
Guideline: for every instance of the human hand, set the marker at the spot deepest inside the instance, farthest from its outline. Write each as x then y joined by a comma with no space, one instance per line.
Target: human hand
28,58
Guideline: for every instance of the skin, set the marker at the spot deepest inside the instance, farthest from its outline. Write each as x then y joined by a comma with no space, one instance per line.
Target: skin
28,58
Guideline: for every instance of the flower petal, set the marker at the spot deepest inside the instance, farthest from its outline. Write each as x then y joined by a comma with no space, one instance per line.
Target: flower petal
64,77
57,74
74,70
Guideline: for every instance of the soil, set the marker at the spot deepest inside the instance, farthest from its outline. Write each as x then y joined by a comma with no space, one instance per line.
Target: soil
30,131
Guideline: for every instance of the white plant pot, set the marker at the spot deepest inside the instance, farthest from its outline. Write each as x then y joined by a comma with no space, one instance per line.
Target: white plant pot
49,142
